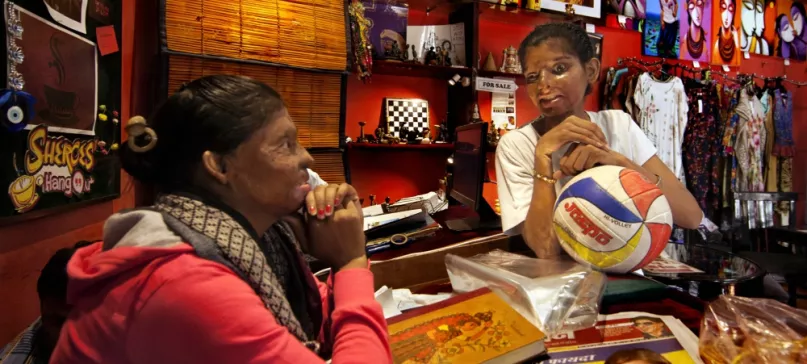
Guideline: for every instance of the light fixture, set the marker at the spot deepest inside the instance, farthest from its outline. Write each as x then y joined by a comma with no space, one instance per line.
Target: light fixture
453,81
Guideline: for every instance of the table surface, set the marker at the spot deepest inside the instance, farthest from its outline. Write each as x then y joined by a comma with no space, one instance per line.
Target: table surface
718,266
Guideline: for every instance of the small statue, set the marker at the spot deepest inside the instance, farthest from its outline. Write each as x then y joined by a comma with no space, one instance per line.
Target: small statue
405,57
442,133
362,138
387,200
395,52
510,63
412,135
440,60
446,57
379,135
490,63
372,200
415,55
426,136
476,118
431,57
493,136
391,139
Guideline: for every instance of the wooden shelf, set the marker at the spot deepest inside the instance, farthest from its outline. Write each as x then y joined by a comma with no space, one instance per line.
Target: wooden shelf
441,146
417,70
494,74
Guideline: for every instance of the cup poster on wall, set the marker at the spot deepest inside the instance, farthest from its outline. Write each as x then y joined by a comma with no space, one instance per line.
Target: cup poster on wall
758,33
726,27
695,33
387,28
503,110
60,151
660,36
792,43
438,42
70,13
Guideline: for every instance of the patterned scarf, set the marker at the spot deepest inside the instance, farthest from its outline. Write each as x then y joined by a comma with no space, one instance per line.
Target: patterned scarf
295,283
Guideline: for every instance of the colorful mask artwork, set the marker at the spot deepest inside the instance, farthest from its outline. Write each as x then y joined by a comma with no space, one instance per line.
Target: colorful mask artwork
789,27
725,29
661,29
696,31
752,37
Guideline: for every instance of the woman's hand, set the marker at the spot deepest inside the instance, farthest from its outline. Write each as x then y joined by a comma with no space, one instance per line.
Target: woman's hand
581,157
571,130
336,226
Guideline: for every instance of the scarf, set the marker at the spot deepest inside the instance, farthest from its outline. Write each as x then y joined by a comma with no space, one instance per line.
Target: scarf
284,283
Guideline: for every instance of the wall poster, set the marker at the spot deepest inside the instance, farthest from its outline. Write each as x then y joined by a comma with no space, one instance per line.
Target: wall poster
758,34
789,26
59,122
726,27
696,32
660,37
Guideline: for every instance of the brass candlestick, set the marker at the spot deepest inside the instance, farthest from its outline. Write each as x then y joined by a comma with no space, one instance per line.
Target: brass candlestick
361,138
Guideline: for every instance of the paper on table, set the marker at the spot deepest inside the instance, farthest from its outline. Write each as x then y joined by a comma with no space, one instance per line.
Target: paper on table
384,297
378,220
406,300
372,210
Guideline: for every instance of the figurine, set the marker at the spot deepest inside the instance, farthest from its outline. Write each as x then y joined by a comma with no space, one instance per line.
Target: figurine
441,60
415,55
412,135
360,40
490,63
446,57
395,52
387,200
406,54
510,63
426,136
476,118
431,57
372,200
493,136
348,140
379,135
362,138
442,133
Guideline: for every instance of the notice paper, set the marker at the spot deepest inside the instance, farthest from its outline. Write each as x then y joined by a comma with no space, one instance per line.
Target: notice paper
503,110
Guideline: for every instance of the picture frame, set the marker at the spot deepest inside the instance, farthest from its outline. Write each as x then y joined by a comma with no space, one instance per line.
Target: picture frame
587,8
596,43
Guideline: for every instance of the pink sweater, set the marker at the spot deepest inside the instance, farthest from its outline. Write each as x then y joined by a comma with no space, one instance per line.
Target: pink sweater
167,305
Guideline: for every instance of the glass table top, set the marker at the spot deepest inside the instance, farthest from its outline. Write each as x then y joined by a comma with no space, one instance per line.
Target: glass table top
715,265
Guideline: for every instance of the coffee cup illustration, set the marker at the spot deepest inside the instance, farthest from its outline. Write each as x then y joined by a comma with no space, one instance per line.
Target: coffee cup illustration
61,106
23,193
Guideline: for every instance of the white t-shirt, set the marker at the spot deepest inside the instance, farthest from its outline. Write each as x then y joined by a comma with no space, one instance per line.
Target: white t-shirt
515,160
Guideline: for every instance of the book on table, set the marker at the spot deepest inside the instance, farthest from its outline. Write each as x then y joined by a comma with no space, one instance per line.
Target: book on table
475,327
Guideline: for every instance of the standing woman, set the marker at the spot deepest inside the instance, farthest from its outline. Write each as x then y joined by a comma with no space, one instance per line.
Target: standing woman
184,281
534,162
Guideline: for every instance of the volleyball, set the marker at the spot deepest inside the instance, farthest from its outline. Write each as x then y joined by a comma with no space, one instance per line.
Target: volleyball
613,219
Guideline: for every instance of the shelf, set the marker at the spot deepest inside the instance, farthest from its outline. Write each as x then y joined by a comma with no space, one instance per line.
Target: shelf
417,70
494,74
441,146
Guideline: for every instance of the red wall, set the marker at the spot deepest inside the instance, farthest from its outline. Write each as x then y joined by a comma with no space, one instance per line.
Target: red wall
499,30
25,247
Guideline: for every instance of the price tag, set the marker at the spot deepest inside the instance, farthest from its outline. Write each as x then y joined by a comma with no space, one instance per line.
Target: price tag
726,68
696,64
747,55
590,28
787,62
622,20
700,106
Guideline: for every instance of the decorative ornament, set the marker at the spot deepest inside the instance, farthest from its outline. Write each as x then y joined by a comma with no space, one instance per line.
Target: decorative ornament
102,109
114,113
490,63
115,121
361,138
360,36
510,62
102,117
114,146
476,117
16,105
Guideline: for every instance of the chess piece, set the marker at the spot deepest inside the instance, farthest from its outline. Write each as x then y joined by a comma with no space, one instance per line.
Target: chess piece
476,118
372,200
415,55
361,138
379,135
490,63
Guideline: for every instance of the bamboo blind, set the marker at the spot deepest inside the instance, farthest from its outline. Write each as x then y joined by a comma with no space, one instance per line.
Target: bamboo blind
312,98
329,166
308,34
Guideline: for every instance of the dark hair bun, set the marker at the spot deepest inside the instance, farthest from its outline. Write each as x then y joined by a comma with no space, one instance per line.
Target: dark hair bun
137,165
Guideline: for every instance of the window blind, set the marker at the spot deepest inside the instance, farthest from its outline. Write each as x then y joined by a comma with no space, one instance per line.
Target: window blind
303,34
312,98
329,166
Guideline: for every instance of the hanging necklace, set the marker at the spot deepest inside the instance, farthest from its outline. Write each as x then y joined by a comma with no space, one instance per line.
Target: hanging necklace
726,46
695,47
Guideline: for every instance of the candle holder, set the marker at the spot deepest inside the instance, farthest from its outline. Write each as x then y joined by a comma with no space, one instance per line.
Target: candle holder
362,138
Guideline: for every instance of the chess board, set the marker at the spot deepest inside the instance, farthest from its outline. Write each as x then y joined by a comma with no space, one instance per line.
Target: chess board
404,114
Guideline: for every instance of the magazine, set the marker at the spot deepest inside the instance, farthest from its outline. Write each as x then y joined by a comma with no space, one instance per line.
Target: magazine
620,335
663,265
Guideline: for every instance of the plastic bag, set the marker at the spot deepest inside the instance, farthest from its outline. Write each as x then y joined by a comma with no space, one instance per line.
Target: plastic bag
554,295
751,330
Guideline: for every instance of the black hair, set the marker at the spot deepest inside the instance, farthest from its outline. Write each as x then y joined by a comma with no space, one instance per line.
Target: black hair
213,113
574,39
52,282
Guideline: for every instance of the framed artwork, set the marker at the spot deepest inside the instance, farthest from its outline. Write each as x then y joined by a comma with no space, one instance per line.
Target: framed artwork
59,126
660,36
695,33
388,21
756,35
588,8
789,26
726,25
635,9
596,43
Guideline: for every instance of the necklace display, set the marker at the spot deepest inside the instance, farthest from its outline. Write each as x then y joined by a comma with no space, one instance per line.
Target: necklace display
726,46
695,47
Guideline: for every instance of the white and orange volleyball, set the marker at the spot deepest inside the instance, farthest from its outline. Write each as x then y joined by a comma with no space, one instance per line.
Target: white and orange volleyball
613,219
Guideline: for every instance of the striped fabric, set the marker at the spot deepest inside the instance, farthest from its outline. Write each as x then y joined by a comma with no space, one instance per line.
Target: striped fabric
21,349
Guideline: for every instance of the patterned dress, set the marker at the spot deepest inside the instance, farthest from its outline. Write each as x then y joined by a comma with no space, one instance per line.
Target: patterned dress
701,150
748,146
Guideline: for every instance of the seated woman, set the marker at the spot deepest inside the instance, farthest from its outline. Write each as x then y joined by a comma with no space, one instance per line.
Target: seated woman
184,280
535,161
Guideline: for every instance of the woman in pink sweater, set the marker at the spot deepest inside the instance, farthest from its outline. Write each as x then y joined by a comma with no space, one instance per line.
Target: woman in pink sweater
190,279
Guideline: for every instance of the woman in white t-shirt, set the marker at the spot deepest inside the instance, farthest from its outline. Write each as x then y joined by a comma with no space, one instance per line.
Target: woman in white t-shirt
533,162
